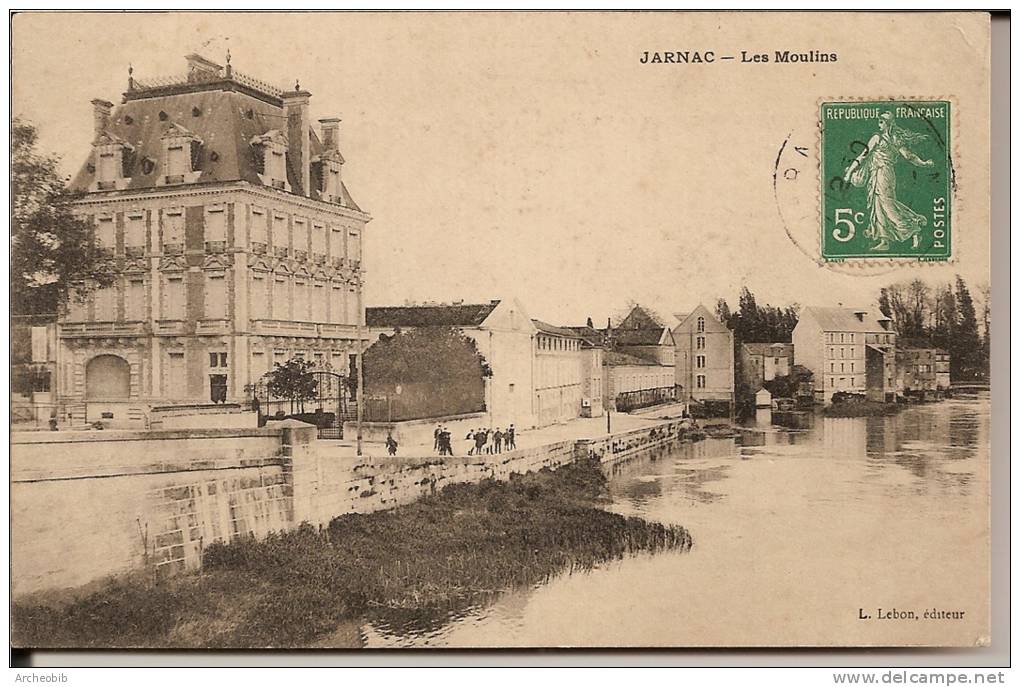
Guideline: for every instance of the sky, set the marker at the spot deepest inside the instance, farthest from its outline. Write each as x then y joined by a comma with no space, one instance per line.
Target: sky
532,155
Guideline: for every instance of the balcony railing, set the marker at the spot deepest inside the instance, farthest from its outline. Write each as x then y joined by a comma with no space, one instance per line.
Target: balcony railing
301,255
134,251
281,251
174,179
215,246
213,326
102,328
172,327
173,248
258,247
319,258
106,185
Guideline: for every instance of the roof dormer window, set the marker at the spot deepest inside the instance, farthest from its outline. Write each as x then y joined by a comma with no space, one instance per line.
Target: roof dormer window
329,164
180,152
271,152
111,155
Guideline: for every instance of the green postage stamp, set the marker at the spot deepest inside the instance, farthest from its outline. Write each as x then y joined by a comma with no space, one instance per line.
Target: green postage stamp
887,178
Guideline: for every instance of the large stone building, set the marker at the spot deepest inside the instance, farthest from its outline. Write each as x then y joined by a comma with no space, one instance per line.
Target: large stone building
847,350
237,242
704,358
559,373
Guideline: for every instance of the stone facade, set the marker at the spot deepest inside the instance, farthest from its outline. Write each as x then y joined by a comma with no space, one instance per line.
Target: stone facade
847,350
704,356
222,271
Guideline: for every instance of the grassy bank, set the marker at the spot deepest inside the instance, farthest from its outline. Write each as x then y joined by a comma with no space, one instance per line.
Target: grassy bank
863,409
411,567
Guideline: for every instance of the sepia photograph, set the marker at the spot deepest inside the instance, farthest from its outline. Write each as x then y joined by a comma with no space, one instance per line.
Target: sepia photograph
500,330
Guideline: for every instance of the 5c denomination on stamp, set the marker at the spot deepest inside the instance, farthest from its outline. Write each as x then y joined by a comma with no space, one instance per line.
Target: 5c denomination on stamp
886,175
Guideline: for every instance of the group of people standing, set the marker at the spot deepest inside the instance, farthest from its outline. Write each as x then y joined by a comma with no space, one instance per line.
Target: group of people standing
479,441
489,441
442,441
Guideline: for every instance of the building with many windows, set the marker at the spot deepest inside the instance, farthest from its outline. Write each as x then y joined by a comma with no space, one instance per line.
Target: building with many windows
847,350
704,358
237,243
559,373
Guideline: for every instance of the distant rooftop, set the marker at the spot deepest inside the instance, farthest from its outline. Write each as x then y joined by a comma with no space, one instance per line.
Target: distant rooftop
430,315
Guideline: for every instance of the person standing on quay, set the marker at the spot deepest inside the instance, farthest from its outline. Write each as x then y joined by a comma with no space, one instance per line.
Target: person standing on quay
479,441
498,439
511,437
391,444
470,438
435,436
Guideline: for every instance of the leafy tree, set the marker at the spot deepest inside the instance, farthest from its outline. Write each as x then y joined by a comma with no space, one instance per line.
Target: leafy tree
438,371
293,380
53,252
967,350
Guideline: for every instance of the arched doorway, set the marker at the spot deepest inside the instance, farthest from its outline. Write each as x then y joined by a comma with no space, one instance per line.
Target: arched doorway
107,376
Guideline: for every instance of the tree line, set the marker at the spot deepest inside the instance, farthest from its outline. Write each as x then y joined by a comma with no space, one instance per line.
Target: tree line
941,315
945,316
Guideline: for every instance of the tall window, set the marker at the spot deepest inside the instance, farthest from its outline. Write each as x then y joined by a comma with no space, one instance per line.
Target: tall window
176,375
106,304
215,228
319,239
700,381
337,308
106,233
700,361
173,230
215,296
259,233
178,161
336,242
134,299
281,299
701,343
174,298
259,295
300,235
701,324
354,245
353,316
319,301
300,299
134,233
108,162
281,242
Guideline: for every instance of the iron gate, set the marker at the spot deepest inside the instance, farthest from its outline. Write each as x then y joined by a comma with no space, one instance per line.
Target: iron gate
327,408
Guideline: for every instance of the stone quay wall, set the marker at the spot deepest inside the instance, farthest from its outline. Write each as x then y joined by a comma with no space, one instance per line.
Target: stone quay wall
87,505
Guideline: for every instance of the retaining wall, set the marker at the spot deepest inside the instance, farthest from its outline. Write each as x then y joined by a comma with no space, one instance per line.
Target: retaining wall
86,505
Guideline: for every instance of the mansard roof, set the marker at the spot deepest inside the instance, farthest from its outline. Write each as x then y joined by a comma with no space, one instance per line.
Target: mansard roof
220,114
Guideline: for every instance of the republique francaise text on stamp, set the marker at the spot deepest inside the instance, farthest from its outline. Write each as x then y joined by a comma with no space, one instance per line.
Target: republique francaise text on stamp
886,176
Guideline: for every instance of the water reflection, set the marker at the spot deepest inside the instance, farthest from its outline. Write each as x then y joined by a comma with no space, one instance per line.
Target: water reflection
792,529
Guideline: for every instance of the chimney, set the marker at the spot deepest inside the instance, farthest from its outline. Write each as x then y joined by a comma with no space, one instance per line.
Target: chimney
101,110
295,107
330,133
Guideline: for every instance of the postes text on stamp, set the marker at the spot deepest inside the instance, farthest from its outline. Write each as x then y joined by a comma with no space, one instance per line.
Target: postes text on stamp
886,175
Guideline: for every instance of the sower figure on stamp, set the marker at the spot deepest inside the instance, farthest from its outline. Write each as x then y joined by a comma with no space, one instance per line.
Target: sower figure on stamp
888,218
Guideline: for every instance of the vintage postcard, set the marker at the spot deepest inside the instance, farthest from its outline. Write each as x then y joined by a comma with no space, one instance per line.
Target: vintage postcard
496,329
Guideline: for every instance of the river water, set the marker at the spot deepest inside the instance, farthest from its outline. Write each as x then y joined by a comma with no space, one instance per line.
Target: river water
797,534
